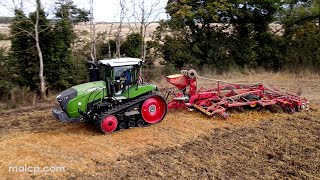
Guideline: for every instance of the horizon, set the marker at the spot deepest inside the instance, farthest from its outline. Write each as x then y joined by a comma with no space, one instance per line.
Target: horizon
103,11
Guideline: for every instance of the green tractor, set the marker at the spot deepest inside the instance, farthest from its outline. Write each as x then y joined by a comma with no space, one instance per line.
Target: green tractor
115,99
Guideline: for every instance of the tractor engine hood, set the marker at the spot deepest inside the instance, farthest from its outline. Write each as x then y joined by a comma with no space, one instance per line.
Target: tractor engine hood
74,99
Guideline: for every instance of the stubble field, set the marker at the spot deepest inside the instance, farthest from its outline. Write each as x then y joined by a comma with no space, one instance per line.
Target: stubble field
249,145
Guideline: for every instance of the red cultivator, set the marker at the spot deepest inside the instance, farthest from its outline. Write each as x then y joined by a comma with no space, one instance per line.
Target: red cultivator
216,101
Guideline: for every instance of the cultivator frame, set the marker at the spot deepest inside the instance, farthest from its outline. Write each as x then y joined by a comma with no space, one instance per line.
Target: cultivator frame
227,95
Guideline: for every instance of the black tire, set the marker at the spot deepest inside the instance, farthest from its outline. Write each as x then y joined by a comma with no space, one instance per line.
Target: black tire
275,108
229,88
251,97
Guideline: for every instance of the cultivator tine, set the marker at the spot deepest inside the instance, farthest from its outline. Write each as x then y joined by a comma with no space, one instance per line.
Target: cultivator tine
202,110
215,110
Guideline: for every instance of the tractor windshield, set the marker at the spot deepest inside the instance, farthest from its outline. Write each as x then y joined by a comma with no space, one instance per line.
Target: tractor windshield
118,71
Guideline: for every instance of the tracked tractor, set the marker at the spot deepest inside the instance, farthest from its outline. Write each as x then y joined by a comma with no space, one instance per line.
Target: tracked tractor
116,99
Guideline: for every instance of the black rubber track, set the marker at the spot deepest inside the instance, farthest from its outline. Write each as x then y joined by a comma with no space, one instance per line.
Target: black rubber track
125,107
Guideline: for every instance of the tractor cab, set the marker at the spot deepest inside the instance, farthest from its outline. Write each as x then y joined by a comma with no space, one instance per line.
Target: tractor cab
120,75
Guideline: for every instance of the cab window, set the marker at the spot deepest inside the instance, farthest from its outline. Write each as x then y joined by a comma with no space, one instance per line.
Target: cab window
119,70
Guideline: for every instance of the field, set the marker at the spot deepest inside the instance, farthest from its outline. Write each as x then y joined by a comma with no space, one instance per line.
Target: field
186,145
83,30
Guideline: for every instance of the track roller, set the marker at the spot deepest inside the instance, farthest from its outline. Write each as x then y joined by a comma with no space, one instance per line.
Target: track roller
131,124
140,122
122,126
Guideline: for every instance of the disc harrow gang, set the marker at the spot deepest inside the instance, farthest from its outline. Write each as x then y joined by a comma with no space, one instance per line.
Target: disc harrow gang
218,100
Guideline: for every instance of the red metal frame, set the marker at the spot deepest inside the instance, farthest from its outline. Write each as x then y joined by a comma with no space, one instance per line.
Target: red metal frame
216,101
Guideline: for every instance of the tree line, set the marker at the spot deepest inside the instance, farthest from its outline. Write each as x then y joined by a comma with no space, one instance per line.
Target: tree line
219,34
236,34
40,56
47,55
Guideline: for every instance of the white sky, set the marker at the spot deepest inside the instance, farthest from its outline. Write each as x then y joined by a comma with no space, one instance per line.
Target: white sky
104,10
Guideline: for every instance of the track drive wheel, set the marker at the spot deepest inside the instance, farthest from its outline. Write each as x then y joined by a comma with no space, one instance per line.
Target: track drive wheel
108,124
153,109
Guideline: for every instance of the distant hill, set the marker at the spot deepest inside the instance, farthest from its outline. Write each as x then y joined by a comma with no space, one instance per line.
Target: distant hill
5,20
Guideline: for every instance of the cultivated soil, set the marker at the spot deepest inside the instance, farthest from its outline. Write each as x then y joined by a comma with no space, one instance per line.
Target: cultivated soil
185,145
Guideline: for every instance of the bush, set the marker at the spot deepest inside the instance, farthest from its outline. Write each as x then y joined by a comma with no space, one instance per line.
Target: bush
132,45
303,48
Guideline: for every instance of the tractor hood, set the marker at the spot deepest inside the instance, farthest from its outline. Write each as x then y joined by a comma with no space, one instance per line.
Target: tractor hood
82,89
77,98
89,87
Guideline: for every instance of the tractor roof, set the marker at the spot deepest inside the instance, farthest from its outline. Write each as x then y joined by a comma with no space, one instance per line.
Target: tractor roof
121,62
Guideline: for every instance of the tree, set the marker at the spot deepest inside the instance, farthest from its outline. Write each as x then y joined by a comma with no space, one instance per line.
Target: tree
132,45
194,30
34,34
122,16
27,34
93,51
301,36
6,73
23,51
62,67
299,12
252,39
145,12
36,37
222,33
176,51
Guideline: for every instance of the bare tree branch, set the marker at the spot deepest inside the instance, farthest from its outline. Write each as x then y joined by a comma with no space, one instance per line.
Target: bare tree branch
108,38
41,64
143,13
123,13
34,34
93,52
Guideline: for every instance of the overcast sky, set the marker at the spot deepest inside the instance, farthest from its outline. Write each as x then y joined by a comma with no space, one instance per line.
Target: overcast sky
104,10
